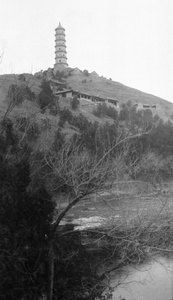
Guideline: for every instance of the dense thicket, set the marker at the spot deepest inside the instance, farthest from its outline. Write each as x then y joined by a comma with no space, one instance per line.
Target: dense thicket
25,219
26,225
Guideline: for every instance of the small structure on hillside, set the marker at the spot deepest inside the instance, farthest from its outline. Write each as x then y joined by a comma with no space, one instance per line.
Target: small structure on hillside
140,106
94,74
57,85
60,49
113,101
76,71
65,93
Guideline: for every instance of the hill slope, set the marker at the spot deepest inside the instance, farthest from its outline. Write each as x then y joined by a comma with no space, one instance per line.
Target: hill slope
107,88
95,85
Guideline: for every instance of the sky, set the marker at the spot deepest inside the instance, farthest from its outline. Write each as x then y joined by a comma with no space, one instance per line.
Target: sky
130,41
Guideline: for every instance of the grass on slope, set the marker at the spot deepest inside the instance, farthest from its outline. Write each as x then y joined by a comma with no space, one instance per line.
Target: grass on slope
101,86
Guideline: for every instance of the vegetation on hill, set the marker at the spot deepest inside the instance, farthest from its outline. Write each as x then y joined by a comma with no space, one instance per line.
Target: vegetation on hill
45,97
74,103
103,110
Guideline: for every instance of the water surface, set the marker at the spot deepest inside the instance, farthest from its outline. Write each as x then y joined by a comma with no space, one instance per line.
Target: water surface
152,281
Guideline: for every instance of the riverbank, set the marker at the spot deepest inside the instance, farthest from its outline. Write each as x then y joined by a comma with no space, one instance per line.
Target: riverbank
129,203
100,254
122,229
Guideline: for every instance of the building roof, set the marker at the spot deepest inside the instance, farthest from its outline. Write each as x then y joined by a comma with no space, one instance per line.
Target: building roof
86,94
63,92
94,73
59,26
112,99
76,70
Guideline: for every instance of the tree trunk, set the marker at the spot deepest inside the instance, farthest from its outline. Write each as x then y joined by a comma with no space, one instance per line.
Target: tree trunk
50,273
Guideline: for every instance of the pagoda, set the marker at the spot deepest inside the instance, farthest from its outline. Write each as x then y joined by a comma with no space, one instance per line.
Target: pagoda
60,49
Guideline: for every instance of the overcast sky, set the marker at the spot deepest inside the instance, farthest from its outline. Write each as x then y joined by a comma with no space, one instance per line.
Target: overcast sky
130,41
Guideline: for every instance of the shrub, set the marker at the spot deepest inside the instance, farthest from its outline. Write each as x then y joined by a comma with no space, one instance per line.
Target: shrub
81,122
59,140
45,97
86,73
124,113
103,110
111,112
65,115
100,111
53,110
21,77
60,75
15,94
75,103
54,107
154,166
29,130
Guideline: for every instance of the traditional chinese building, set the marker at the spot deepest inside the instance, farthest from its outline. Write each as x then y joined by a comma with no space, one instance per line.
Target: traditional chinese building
60,49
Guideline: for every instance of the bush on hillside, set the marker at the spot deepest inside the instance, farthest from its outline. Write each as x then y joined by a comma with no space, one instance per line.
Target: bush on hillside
21,78
59,140
60,75
75,103
153,166
17,93
111,112
124,113
45,97
65,115
100,110
86,73
136,120
81,122
54,108
160,139
27,129
103,110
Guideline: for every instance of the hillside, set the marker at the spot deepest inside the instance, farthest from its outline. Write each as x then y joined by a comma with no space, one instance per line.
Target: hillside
94,85
101,86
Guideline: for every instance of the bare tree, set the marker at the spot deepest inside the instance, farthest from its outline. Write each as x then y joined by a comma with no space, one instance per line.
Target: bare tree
72,171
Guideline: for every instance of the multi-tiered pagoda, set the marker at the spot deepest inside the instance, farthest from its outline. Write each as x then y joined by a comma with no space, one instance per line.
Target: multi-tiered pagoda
60,49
